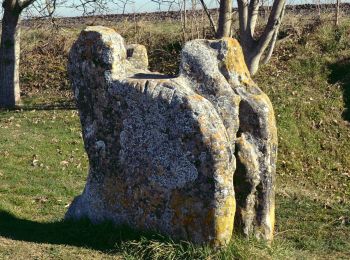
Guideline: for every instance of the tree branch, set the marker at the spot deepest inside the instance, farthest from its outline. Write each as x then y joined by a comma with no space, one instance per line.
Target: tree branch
225,19
273,23
212,23
24,3
253,13
243,15
272,42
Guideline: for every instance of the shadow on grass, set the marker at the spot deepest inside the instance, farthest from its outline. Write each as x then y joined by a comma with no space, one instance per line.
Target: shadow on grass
53,105
58,105
103,237
340,73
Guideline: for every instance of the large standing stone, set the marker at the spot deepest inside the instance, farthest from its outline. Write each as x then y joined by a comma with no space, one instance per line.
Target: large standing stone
190,157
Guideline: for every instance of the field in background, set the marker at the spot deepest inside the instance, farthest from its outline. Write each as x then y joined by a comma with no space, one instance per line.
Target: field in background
43,164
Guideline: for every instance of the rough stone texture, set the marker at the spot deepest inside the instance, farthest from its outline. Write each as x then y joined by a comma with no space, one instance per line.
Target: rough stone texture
137,56
191,157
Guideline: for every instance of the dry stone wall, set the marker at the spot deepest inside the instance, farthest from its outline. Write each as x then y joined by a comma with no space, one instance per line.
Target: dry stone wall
193,157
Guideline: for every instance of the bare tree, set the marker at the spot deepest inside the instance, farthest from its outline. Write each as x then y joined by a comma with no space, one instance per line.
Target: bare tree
10,51
181,6
225,19
254,46
212,23
10,46
318,6
183,12
10,39
168,3
122,4
91,7
337,13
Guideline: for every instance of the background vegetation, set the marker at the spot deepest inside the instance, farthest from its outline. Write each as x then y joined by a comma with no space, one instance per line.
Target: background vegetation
43,164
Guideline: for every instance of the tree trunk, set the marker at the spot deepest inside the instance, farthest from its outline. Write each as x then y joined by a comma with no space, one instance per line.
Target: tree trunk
252,59
253,13
271,48
319,9
337,13
9,60
225,19
253,47
273,41
183,20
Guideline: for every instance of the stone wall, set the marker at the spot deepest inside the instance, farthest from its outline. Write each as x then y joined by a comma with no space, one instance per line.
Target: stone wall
192,157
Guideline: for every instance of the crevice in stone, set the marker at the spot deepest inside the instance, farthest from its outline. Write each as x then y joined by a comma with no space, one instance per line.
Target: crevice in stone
243,189
248,119
259,206
246,177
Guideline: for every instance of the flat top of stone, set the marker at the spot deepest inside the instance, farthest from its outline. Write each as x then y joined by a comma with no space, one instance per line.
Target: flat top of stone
230,57
100,29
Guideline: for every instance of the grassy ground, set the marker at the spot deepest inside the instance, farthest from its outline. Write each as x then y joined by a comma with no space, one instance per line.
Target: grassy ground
43,164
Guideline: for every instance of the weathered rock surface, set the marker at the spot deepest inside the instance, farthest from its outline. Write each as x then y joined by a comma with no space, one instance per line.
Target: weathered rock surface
192,157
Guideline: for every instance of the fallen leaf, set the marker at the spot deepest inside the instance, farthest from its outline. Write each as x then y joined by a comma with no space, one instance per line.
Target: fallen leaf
41,199
346,174
35,162
64,163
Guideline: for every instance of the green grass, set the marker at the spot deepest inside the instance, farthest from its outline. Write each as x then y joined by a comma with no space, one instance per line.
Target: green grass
43,164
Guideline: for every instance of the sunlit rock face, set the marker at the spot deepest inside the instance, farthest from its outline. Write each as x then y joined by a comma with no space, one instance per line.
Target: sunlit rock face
192,157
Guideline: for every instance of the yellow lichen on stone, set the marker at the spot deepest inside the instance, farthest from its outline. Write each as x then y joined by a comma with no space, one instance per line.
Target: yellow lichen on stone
272,220
196,97
224,221
271,122
187,219
235,62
